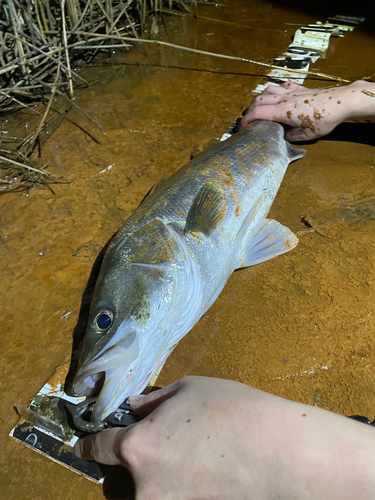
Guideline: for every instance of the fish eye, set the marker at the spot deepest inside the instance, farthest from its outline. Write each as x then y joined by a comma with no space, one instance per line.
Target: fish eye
103,320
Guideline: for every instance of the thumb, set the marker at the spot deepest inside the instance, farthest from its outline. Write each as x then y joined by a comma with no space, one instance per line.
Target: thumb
103,447
143,404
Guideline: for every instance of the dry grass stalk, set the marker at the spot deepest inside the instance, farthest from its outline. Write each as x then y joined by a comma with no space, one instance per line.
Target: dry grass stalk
215,54
39,41
20,173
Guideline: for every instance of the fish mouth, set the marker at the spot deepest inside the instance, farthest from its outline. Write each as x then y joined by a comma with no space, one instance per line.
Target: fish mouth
114,386
107,374
109,385
88,384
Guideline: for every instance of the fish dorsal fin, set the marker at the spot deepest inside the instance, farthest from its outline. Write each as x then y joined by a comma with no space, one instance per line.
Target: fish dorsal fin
208,208
294,154
153,190
269,239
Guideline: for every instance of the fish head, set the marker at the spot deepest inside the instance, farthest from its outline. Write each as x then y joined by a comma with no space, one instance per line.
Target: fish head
129,304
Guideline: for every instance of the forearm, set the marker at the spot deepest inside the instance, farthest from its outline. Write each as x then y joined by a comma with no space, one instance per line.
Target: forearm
363,104
320,454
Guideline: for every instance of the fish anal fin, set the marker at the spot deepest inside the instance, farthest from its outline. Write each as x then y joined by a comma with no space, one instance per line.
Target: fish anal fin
268,240
207,210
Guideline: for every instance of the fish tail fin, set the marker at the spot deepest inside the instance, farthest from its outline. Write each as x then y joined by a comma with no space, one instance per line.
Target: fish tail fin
294,154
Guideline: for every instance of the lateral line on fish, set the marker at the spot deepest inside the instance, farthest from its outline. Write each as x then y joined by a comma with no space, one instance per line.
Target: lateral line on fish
163,266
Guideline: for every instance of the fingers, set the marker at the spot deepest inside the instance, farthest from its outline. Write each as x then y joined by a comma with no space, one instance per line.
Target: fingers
266,112
277,103
103,447
292,86
264,99
282,89
144,405
106,447
274,95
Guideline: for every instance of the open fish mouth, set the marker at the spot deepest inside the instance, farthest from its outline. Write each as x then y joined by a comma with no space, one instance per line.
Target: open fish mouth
113,386
88,385
109,386
107,373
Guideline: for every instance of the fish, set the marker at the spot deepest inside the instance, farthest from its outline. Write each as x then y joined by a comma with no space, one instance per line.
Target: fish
170,260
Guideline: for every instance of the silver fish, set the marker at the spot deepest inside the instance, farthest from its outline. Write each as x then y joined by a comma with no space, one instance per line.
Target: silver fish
171,259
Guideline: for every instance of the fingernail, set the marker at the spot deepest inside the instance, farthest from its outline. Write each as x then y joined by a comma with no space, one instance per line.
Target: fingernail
78,449
133,400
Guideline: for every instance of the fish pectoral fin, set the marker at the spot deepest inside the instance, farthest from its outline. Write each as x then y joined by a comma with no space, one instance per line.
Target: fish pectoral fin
269,239
208,208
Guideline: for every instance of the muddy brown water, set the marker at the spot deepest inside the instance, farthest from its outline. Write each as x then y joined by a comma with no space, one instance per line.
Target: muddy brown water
300,326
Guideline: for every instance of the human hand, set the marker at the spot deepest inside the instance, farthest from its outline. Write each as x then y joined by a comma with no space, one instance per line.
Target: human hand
210,438
190,444
312,113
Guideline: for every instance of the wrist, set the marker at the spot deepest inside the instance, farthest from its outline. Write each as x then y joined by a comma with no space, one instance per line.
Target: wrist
361,96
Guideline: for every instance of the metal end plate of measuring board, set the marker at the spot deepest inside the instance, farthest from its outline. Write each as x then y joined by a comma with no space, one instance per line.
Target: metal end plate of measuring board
53,425
47,425
34,434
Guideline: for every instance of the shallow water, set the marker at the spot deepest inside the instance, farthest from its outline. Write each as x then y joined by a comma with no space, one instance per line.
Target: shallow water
300,326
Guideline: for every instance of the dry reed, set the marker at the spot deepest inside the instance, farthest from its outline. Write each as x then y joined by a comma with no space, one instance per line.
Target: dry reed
39,42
